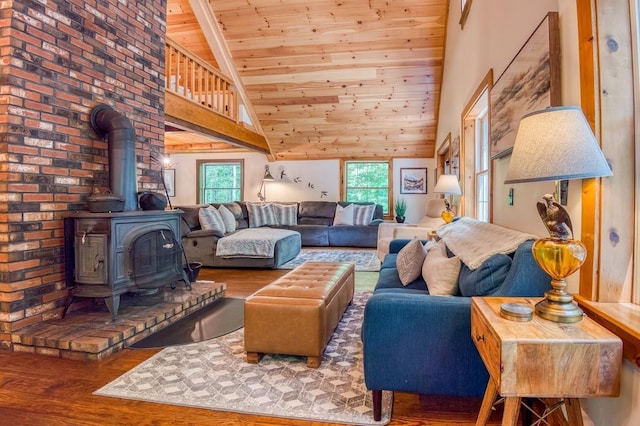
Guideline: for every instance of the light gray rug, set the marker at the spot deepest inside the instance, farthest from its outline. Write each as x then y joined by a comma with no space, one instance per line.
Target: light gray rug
214,375
365,260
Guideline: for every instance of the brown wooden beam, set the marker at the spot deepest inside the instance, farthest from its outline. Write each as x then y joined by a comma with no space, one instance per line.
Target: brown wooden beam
185,114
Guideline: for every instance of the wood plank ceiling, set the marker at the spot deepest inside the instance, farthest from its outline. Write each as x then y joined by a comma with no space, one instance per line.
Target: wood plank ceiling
331,78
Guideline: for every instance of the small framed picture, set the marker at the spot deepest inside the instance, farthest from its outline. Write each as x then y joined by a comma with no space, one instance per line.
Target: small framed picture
413,181
170,181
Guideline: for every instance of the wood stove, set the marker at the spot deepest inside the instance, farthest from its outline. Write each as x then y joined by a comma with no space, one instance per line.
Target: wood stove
109,254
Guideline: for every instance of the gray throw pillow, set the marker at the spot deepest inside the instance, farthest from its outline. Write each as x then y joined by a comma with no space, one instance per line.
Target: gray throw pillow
211,220
228,218
409,261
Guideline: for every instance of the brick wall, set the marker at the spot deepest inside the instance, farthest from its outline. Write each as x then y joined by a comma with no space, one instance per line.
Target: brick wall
58,60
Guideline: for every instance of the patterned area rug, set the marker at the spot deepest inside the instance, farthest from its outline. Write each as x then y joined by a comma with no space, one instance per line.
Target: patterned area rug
364,260
214,375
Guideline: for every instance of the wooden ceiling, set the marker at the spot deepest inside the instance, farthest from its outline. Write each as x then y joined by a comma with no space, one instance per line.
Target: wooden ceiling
328,78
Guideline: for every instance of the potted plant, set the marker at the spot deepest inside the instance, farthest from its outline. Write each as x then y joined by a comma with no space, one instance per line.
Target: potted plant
400,208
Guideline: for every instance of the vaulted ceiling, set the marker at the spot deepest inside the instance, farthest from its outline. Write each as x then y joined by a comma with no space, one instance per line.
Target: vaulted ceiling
327,78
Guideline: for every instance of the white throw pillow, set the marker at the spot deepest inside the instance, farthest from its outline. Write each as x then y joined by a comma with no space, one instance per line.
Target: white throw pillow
286,214
228,218
441,272
211,220
409,261
261,215
344,215
363,215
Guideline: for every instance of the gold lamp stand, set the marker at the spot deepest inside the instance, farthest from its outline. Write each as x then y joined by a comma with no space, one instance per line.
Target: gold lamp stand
559,258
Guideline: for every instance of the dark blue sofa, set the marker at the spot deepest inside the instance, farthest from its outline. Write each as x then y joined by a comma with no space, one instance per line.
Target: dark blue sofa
418,343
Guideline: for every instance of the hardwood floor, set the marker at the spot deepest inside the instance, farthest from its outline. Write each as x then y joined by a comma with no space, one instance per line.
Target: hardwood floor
43,390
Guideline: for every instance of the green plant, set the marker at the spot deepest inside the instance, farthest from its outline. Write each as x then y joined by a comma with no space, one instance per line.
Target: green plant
400,207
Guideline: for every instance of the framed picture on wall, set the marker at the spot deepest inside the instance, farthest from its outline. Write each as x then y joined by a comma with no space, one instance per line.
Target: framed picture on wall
413,181
170,181
530,82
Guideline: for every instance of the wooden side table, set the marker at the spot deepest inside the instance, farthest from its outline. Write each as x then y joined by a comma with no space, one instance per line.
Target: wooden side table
542,359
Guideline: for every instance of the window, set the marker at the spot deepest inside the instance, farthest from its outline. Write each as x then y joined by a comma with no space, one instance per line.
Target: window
367,181
219,181
482,166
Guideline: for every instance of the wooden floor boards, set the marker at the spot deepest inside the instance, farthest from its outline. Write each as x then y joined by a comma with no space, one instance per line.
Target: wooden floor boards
42,390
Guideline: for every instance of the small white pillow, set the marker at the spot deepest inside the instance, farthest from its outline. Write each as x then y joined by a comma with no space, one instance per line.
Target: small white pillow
228,218
363,215
409,261
210,219
441,272
344,215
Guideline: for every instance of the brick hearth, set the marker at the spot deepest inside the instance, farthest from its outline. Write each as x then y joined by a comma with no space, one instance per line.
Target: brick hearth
90,333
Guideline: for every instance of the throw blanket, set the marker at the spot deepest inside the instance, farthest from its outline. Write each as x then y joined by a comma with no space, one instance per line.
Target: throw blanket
251,242
474,241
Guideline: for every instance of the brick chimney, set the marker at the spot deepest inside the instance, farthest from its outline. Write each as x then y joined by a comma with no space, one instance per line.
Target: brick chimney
59,60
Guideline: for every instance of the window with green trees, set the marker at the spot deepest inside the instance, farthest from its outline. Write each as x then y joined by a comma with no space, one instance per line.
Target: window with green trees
367,181
219,181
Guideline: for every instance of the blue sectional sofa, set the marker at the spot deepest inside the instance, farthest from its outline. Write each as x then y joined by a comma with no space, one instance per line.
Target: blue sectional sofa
418,343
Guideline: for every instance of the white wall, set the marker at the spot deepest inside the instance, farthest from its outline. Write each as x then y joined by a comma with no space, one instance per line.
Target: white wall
302,180
493,34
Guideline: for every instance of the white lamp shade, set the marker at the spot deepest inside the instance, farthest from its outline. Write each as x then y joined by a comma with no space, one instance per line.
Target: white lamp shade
448,184
555,144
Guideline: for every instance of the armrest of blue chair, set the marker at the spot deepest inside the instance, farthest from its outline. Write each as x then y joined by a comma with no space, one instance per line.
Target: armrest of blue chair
421,344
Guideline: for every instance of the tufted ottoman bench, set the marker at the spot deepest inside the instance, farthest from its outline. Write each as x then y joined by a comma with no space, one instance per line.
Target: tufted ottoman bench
297,313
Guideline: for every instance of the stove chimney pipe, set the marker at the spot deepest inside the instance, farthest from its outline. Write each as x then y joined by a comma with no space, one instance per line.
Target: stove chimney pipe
121,138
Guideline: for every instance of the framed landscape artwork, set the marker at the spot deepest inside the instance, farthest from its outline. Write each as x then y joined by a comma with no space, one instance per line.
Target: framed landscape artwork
413,181
530,82
170,181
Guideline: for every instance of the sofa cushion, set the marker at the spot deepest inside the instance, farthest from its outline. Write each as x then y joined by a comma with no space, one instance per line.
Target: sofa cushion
286,214
440,272
211,220
486,278
191,217
409,261
363,215
261,215
344,215
389,279
227,218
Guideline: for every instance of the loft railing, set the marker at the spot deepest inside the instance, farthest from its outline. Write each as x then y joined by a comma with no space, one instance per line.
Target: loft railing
191,78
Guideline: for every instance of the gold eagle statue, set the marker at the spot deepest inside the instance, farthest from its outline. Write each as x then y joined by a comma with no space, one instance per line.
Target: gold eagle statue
555,218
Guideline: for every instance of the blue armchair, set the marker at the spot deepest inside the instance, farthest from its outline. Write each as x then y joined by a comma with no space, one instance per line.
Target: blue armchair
418,343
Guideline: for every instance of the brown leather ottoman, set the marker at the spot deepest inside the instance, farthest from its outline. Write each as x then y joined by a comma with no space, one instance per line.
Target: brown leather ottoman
297,313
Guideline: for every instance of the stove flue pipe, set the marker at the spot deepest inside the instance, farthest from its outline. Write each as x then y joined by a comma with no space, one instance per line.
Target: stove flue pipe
121,139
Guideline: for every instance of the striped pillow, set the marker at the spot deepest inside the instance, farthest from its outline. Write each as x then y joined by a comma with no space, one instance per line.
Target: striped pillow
261,215
286,214
363,215
210,219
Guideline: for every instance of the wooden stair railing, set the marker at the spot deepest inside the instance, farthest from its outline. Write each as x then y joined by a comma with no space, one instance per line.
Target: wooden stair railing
190,77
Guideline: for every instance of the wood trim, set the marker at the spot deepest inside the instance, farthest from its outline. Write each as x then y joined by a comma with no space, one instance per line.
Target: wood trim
608,205
623,319
608,210
465,14
484,86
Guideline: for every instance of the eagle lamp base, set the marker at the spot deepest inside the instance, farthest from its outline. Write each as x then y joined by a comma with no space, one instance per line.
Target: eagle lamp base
559,258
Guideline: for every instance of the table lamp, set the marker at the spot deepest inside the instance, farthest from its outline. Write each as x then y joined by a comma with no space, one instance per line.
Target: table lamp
448,185
556,144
